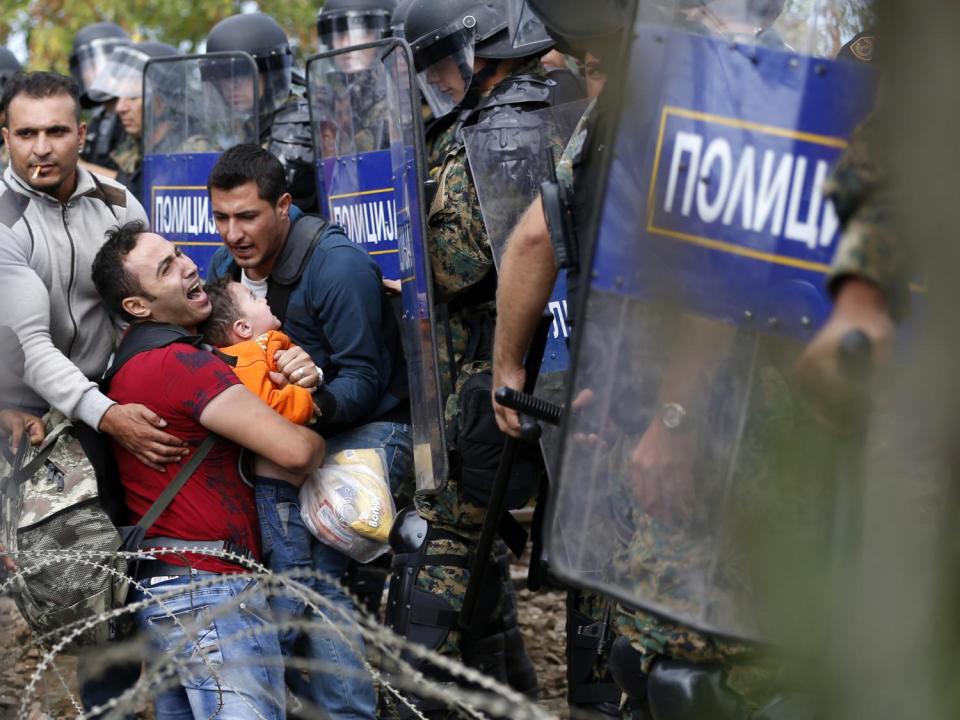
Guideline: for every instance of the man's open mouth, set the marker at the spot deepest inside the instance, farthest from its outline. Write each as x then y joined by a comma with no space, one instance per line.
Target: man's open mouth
195,292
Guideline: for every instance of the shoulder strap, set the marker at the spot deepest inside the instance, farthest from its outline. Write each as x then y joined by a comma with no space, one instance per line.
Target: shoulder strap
143,337
304,237
112,197
24,473
171,490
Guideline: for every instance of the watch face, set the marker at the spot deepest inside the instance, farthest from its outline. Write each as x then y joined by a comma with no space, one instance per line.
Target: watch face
673,415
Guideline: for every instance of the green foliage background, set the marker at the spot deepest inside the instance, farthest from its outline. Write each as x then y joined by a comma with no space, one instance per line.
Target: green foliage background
49,25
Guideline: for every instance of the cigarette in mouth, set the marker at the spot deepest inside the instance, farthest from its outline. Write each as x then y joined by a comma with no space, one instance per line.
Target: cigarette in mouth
36,173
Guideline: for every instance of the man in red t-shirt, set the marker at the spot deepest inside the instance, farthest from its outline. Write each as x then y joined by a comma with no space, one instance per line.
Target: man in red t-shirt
149,282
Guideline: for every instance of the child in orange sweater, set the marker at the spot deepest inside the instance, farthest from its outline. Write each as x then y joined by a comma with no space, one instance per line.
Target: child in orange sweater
244,327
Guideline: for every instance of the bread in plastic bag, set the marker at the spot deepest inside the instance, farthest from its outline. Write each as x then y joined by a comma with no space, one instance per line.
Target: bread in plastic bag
347,504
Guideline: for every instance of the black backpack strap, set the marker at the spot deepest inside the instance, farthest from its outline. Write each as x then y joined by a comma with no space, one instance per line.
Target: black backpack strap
136,534
171,490
112,197
297,251
143,337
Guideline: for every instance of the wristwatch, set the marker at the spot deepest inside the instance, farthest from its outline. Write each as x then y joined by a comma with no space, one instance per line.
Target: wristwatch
673,416
319,376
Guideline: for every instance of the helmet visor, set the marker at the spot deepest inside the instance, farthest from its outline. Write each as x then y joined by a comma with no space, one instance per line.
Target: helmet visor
276,75
444,64
349,29
90,58
122,74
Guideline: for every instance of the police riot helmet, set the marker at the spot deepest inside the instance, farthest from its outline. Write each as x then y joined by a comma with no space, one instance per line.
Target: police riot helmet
444,38
524,38
9,66
92,46
122,76
260,36
348,23
578,28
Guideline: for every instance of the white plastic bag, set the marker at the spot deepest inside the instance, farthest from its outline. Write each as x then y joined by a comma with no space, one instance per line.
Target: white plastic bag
347,504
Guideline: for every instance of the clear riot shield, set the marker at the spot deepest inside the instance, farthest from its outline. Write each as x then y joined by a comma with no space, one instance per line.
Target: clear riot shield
417,326
194,108
347,91
508,163
694,481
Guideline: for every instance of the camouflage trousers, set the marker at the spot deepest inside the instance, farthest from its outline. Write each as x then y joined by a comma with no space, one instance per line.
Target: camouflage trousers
749,673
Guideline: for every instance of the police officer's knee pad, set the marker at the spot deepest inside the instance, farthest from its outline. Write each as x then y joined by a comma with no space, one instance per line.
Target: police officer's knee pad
416,614
678,690
626,668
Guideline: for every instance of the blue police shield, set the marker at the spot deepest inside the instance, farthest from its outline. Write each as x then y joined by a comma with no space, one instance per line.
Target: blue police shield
194,108
347,90
510,156
693,477
368,139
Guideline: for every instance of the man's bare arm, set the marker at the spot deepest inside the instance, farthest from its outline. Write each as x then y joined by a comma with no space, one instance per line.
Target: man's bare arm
528,272
240,416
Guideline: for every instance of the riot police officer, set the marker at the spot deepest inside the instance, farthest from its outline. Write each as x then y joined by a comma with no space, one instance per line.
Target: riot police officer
122,78
92,46
347,23
471,75
528,272
284,114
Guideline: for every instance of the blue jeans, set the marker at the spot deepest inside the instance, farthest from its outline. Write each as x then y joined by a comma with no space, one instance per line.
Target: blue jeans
230,661
393,438
340,684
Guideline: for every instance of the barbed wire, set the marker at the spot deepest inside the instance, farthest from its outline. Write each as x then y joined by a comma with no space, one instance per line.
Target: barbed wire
469,692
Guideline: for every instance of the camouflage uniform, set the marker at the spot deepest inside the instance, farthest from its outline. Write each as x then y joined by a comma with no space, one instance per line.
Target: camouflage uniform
869,248
573,152
357,109
461,257
128,157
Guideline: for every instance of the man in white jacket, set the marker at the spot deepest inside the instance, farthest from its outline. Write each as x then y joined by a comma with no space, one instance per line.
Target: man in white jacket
53,220
53,217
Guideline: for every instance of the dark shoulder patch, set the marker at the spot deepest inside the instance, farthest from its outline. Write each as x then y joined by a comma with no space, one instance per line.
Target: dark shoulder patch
12,206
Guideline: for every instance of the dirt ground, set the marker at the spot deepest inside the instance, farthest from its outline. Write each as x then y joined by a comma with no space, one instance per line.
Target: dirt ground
541,617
